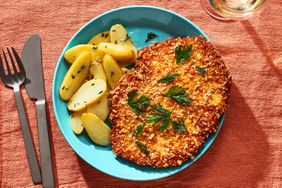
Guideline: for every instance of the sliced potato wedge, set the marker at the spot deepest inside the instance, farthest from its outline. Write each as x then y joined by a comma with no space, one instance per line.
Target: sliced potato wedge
100,108
87,94
72,53
75,76
97,130
96,71
122,53
75,122
119,35
101,37
112,70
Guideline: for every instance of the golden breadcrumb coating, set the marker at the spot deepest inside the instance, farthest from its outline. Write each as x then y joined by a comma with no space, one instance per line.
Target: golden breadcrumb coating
208,92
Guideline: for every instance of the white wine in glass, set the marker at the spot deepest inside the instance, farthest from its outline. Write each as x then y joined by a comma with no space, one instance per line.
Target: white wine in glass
232,9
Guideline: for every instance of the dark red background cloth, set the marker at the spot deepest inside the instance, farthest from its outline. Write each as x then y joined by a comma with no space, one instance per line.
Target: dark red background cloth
247,151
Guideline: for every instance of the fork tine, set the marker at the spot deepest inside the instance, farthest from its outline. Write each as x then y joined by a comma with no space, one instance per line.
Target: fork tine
12,61
2,72
6,62
19,61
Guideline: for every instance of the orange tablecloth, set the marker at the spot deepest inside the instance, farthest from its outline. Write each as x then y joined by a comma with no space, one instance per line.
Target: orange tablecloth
248,149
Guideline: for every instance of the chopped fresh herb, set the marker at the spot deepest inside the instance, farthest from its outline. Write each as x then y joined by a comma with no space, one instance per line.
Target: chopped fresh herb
139,105
169,78
126,38
178,126
142,147
179,94
151,36
100,92
113,30
138,130
92,84
72,76
182,53
201,70
82,67
161,117
106,35
165,124
63,87
95,47
132,94
85,101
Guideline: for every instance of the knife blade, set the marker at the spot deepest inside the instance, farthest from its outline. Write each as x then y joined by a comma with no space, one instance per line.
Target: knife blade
32,60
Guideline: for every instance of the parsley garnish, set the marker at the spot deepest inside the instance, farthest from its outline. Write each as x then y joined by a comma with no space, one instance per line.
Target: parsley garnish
161,117
126,38
182,53
138,130
142,147
179,94
139,105
169,78
201,70
178,126
151,36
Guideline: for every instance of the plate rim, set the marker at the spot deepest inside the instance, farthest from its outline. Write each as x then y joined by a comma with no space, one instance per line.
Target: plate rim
56,72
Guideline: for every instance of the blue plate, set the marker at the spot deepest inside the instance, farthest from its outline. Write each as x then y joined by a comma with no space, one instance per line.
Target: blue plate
138,20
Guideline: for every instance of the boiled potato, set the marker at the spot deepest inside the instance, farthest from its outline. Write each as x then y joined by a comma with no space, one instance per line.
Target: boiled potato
124,70
72,53
100,108
101,37
75,76
112,70
75,122
97,130
96,71
119,35
121,53
87,94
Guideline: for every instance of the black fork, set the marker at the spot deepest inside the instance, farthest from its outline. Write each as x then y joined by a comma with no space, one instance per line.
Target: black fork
13,78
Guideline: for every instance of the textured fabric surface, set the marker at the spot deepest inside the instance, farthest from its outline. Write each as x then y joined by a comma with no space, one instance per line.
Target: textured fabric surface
248,149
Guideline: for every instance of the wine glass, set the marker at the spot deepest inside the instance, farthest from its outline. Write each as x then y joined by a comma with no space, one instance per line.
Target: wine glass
232,9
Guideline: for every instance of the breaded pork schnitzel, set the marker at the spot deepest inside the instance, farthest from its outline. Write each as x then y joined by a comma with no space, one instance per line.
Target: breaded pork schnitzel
163,110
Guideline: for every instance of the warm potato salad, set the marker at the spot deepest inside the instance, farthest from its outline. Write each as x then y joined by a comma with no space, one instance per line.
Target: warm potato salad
95,68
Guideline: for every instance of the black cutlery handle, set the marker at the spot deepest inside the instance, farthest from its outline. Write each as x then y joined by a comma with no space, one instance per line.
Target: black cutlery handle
44,145
29,146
